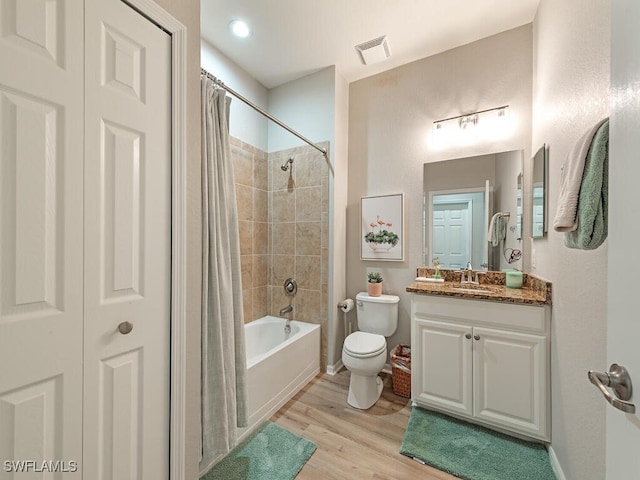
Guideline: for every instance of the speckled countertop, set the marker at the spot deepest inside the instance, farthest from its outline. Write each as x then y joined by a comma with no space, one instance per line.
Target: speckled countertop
491,286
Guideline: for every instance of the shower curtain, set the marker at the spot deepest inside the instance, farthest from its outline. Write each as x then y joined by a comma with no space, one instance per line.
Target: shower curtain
224,370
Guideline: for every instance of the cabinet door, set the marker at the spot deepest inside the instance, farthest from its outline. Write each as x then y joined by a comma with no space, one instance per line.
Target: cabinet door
442,366
510,380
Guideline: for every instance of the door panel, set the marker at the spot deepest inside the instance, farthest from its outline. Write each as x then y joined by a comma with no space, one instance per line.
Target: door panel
445,360
510,388
452,234
127,244
623,327
41,131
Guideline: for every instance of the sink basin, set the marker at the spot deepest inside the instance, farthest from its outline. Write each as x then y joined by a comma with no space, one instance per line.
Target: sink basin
471,289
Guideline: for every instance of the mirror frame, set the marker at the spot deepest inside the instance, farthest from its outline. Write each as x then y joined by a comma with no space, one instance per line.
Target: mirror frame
539,174
517,243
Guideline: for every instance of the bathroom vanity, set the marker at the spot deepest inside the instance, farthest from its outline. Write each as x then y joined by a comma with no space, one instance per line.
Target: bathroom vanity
482,352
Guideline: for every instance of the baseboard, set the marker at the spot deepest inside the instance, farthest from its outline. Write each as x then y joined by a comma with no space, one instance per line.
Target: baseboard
555,464
335,368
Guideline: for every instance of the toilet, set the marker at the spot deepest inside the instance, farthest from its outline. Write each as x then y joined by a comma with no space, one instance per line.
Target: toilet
364,352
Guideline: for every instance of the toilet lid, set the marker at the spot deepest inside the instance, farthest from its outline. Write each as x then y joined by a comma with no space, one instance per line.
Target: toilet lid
364,344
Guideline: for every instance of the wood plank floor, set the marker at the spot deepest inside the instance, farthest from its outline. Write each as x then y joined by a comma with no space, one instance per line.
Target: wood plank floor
352,444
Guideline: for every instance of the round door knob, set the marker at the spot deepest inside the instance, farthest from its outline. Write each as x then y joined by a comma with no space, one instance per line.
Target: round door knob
467,336
125,328
476,337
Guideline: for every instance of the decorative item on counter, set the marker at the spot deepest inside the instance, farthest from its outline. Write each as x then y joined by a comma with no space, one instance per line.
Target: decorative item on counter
437,276
513,278
436,266
374,287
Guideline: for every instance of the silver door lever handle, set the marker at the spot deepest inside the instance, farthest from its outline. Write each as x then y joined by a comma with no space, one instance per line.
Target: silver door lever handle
618,379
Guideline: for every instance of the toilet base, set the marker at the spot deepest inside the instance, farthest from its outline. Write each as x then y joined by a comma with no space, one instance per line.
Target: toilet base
364,391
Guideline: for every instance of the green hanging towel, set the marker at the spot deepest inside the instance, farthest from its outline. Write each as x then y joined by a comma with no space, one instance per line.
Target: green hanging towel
593,198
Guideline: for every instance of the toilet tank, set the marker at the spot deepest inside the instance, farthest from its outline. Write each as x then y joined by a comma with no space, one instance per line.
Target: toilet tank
377,314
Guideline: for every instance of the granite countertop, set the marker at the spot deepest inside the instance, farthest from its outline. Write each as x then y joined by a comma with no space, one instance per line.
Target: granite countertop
491,286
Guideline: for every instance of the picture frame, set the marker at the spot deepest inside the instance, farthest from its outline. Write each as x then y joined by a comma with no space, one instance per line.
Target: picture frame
382,227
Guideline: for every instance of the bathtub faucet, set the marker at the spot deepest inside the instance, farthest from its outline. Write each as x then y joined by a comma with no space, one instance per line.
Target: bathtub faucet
285,310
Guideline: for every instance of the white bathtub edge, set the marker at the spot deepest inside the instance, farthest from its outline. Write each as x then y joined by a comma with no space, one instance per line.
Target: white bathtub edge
265,412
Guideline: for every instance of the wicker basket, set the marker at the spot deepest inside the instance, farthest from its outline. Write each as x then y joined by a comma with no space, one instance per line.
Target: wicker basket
401,370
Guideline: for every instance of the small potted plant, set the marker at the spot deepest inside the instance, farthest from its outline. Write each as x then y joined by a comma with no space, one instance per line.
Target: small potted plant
374,287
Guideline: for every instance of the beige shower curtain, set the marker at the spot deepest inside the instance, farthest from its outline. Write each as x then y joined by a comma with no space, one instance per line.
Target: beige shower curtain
224,404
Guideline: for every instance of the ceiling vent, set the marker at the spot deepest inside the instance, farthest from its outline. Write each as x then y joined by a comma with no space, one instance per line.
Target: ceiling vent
374,50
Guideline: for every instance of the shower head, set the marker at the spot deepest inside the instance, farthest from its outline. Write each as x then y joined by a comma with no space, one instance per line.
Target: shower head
285,165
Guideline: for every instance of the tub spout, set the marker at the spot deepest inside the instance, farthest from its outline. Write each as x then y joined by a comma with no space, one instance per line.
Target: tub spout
285,310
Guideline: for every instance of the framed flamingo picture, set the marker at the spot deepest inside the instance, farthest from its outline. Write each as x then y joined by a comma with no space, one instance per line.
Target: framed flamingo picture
382,227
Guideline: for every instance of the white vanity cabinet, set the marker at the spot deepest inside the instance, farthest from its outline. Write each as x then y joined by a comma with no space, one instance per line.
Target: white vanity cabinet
484,361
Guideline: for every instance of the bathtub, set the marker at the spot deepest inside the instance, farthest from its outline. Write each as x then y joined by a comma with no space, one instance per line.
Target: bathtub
278,365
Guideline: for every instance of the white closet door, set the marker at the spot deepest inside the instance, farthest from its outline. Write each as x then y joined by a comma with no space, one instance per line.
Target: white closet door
41,139
127,244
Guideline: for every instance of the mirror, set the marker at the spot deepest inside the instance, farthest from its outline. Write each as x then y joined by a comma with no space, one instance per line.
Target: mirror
519,207
461,196
539,194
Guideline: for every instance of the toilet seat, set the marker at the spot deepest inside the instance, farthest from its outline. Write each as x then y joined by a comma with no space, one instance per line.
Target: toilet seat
364,345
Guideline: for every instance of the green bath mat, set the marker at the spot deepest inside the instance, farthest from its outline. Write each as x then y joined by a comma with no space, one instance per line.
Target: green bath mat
270,453
472,452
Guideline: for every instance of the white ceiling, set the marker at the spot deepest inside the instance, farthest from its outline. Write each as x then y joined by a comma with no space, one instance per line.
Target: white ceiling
293,38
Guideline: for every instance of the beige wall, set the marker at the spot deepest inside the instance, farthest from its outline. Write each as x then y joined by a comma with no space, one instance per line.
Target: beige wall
571,93
188,13
390,124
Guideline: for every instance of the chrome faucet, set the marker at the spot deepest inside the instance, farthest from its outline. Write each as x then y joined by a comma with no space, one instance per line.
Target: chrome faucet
285,310
467,275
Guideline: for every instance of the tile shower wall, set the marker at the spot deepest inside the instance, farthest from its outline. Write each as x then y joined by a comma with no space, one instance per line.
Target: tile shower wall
284,231
251,177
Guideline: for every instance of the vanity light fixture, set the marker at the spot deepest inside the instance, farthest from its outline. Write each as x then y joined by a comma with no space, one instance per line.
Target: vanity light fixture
240,28
483,125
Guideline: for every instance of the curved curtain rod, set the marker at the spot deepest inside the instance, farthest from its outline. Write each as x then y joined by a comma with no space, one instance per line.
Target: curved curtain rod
220,83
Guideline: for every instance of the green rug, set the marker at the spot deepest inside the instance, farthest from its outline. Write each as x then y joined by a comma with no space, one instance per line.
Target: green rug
270,453
472,452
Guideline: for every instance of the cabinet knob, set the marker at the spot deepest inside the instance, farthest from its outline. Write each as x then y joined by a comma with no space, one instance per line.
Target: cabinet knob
467,336
476,337
125,328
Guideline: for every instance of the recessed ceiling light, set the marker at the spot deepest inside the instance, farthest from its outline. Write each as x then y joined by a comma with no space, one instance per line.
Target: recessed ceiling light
239,28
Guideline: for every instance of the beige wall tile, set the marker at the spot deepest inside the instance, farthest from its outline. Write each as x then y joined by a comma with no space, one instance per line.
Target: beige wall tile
261,171
308,238
324,265
283,238
242,166
324,232
308,204
308,306
247,305
260,270
282,267
260,302
308,272
244,198
260,205
282,206
246,237
246,266
280,180
307,172
260,238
